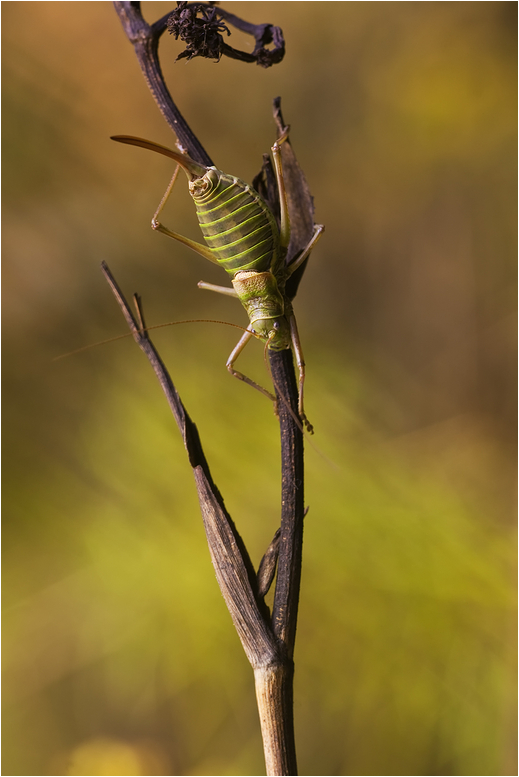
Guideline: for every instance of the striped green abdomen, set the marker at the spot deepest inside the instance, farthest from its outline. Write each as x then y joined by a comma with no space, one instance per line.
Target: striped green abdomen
237,225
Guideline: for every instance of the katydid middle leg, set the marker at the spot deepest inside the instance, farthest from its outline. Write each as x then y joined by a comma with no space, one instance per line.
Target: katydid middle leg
318,231
296,345
230,292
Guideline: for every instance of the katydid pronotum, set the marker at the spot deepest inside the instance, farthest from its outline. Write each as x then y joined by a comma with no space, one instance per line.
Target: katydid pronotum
243,237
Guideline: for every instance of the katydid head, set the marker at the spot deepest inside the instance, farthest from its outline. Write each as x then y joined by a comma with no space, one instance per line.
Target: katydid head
192,169
274,332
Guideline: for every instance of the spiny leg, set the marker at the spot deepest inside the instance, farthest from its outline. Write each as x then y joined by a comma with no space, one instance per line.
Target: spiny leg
283,202
285,239
284,230
155,222
318,231
296,344
240,345
232,358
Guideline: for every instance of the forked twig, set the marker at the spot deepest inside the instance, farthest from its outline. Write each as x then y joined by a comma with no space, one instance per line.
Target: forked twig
268,643
240,587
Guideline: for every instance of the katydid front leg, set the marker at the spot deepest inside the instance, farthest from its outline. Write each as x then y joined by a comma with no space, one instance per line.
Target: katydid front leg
232,358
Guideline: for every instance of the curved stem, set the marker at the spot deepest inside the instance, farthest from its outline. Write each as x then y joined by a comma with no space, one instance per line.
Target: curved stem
145,40
269,646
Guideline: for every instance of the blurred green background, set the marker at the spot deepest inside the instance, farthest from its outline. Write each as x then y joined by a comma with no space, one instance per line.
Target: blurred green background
119,655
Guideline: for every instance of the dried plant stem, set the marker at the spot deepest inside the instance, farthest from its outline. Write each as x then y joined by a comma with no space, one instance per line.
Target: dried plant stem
268,642
274,686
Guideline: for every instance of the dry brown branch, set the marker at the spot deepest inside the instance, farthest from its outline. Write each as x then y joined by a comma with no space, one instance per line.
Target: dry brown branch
268,643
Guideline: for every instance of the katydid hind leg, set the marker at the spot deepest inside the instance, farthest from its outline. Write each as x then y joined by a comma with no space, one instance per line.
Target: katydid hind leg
159,227
284,230
165,197
197,247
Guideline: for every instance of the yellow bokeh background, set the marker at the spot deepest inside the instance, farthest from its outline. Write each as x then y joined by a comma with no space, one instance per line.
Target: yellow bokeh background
119,656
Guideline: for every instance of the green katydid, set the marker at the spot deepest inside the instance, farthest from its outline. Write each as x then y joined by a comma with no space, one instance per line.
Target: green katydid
243,237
